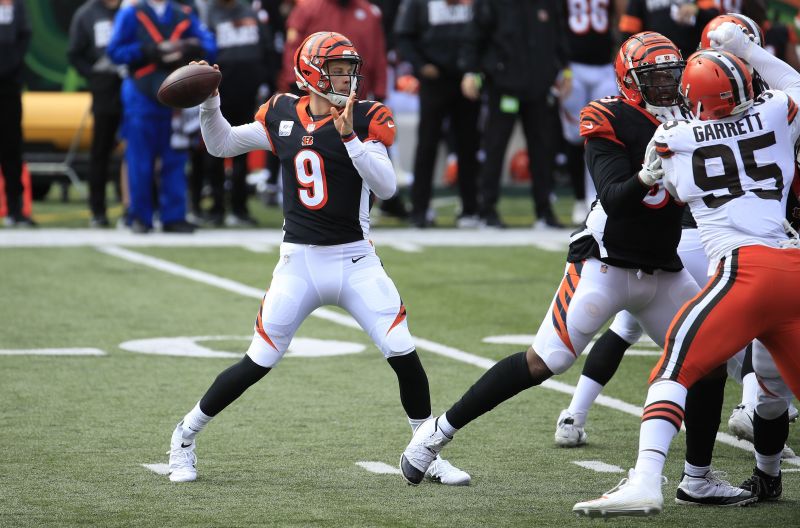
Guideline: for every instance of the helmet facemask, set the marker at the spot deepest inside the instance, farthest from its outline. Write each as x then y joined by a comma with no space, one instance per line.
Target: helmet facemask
659,83
330,73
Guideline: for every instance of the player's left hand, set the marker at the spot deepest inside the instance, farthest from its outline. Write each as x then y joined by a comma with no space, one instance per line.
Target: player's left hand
731,37
344,121
651,168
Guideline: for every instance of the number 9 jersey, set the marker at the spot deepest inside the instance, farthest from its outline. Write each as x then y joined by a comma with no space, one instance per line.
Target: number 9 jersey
325,200
734,173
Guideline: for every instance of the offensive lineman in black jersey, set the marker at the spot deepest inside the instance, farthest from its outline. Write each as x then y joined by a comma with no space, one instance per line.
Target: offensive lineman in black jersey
623,258
332,150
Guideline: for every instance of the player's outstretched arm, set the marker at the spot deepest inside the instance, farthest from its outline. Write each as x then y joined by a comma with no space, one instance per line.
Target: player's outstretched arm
777,74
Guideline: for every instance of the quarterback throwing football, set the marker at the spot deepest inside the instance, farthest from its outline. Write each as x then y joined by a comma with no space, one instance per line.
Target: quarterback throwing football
332,149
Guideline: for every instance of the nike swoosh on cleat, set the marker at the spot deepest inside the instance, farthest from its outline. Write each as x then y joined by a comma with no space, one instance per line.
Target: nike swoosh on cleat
185,445
356,259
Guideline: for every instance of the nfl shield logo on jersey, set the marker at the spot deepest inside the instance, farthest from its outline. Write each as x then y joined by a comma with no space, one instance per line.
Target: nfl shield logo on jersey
308,140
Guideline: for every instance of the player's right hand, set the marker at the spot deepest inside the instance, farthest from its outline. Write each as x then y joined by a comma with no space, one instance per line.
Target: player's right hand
205,63
651,170
731,37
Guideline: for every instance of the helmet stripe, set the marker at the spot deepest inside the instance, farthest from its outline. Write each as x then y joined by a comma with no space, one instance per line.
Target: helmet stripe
735,77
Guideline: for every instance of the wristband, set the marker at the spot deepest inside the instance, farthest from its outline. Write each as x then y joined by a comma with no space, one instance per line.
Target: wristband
349,136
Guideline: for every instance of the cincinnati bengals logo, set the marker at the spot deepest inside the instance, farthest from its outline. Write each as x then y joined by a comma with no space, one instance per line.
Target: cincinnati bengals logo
657,198
307,140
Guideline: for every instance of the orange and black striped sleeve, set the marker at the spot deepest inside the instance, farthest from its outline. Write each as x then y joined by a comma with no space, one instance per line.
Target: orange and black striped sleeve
595,122
381,124
261,117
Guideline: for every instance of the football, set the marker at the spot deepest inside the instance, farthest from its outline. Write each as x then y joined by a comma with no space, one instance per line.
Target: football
189,85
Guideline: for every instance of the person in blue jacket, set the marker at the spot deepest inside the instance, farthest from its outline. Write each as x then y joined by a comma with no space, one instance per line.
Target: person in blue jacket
153,38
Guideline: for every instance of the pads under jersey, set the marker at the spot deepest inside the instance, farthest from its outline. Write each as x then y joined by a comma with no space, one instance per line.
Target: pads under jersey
325,200
589,35
642,232
734,173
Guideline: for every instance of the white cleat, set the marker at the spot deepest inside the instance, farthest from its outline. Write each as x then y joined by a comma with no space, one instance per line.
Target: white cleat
740,423
712,490
182,458
638,495
420,453
567,433
446,473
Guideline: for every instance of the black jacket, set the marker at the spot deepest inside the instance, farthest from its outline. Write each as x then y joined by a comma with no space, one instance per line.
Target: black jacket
432,32
15,37
89,33
519,45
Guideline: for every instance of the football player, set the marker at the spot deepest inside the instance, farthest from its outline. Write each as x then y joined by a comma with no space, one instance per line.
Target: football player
606,355
614,261
332,149
733,165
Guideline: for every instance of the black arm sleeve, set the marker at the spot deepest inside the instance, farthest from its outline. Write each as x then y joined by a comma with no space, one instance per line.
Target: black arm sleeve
609,165
407,35
469,59
79,49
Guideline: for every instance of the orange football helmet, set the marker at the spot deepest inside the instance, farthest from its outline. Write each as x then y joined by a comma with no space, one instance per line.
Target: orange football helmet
716,84
311,61
747,24
648,69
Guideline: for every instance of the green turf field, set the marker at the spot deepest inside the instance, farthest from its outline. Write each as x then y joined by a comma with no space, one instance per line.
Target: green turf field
76,430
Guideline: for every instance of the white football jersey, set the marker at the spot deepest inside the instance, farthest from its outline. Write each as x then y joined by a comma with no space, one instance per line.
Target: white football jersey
734,173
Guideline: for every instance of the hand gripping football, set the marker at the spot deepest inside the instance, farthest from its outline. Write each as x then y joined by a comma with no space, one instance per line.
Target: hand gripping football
189,86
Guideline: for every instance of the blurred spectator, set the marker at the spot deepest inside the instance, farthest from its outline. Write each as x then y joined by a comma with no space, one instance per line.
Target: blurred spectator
244,49
779,39
15,37
681,21
153,38
89,33
429,35
518,48
591,54
359,20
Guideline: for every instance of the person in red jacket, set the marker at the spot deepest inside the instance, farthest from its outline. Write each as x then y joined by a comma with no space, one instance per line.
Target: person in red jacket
358,19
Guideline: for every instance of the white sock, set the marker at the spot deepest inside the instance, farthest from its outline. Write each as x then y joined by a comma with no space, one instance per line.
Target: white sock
586,392
416,423
750,390
695,471
445,426
769,464
655,435
194,422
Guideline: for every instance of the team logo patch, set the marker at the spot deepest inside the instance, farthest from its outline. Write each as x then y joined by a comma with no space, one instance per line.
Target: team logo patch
308,140
285,128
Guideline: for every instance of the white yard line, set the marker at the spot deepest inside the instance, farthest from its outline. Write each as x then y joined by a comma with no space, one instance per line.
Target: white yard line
597,465
411,240
424,344
54,352
381,468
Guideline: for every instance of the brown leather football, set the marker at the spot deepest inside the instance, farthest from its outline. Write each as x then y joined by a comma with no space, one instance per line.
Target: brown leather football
189,85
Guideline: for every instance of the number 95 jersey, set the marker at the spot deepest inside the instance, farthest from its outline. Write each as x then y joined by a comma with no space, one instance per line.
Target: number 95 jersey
734,173
325,200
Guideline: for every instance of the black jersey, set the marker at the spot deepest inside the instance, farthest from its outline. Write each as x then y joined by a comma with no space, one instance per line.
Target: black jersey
325,200
632,226
589,31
